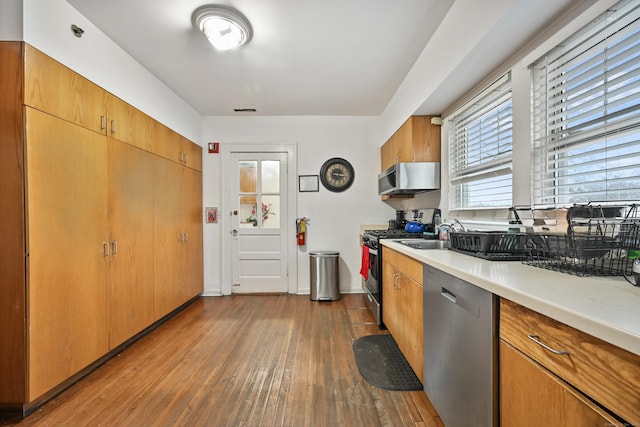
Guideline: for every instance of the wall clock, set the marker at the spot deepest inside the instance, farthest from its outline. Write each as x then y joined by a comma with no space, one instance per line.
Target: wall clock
337,174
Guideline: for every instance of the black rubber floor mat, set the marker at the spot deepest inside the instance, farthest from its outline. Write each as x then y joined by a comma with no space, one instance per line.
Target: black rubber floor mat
383,365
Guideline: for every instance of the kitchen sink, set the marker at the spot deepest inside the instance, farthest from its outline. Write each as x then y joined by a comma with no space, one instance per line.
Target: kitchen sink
426,244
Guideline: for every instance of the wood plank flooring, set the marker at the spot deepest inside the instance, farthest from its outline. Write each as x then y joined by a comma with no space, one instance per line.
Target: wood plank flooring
241,361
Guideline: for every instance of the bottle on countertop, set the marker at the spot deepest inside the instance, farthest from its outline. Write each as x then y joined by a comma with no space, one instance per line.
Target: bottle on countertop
436,221
443,232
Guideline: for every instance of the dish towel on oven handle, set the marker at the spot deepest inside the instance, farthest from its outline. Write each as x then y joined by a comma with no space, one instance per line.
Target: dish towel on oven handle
364,268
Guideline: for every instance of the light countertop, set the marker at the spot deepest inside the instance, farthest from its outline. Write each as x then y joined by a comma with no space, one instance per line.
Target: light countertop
607,308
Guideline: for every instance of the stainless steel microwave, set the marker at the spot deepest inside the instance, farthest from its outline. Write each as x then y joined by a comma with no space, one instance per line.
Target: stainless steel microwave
409,178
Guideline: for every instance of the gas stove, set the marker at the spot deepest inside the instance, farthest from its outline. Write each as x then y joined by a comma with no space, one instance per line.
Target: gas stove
391,234
371,237
372,260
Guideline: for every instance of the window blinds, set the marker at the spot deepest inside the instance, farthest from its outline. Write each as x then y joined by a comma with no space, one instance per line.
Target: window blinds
586,113
480,148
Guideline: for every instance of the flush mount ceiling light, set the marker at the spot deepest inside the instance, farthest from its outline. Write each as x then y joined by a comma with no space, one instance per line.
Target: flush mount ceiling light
225,27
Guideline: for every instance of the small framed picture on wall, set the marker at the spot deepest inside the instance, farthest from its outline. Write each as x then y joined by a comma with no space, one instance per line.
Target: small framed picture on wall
211,215
308,183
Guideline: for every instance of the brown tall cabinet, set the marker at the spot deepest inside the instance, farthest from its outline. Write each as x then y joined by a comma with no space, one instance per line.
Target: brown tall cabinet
101,224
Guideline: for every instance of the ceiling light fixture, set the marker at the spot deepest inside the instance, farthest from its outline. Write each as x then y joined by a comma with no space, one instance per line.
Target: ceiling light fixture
225,27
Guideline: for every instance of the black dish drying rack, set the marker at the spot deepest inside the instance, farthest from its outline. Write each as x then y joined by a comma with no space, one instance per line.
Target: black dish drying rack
601,240
491,245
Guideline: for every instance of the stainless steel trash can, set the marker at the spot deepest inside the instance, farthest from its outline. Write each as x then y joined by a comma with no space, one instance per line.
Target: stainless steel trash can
325,277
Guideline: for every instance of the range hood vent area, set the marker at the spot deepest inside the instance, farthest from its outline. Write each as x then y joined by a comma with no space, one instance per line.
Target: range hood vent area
409,178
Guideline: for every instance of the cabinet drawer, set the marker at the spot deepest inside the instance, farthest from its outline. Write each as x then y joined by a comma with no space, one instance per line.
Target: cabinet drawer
606,373
409,266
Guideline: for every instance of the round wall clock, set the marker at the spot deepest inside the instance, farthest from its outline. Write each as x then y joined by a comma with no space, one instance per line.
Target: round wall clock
337,174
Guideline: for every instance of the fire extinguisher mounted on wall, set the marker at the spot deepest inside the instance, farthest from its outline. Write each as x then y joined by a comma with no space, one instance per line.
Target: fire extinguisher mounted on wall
301,230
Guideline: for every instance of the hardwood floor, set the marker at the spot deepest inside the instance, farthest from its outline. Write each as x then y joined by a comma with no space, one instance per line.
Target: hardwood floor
241,361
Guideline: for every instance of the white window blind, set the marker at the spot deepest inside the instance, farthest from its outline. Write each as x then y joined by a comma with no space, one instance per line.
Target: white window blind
586,113
480,150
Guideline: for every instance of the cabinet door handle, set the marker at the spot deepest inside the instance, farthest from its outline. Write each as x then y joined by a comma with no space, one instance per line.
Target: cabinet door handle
114,127
103,122
184,158
535,339
114,247
105,249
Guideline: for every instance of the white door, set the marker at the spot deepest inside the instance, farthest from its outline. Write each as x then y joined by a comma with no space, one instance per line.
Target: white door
259,223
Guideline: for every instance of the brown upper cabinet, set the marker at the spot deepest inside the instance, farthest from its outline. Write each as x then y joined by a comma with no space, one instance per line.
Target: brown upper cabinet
417,140
57,90
184,151
127,124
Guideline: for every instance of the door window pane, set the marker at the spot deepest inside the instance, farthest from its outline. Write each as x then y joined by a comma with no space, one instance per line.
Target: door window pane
247,213
271,176
248,176
270,210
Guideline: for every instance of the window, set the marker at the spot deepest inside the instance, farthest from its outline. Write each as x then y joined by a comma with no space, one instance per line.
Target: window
480,149
586,113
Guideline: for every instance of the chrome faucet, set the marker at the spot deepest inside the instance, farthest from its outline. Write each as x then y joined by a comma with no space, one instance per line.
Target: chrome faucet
455,224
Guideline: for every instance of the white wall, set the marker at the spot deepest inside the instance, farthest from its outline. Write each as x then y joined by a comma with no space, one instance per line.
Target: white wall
10,19
335,217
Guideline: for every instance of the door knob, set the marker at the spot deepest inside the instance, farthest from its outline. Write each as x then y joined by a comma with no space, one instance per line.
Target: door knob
234,232
235,212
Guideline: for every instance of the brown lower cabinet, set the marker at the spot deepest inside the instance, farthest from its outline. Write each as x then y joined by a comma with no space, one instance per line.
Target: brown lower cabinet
589,383
402,296
102,237
532,396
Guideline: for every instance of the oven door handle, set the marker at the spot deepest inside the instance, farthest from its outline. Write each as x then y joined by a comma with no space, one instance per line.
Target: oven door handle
373,251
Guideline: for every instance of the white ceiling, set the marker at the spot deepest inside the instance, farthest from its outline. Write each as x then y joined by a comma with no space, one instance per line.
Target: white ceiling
329,57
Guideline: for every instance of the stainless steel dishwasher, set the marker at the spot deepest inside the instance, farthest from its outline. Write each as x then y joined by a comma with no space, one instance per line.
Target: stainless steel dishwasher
460,350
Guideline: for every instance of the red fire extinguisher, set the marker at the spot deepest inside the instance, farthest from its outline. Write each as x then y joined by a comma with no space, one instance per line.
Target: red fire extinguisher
301,230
